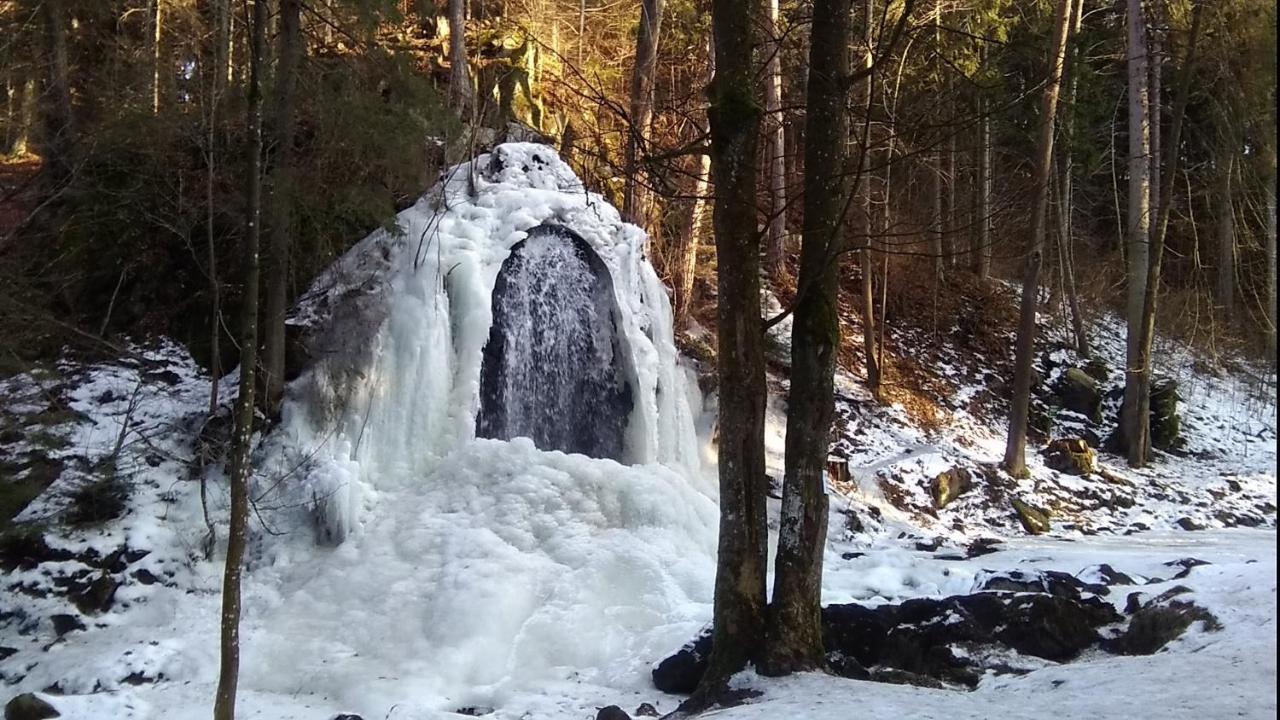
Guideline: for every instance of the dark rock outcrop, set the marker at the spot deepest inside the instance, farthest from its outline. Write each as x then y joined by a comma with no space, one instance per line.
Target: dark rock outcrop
1078,392
29,706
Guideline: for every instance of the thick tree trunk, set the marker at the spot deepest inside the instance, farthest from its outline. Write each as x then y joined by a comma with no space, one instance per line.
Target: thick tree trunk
687,263
776,145
635,198
1015,450
1225,216
1138,433
58,139
1137,255
864,215
460,91
289,54
795,614
734,114
242,433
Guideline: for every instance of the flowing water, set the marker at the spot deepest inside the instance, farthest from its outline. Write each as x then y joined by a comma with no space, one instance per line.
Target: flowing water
551,366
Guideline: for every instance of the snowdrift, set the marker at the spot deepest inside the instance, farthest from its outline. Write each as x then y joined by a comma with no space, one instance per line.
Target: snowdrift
396,333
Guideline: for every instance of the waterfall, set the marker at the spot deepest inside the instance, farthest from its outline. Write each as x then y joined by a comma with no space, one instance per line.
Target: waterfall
551,370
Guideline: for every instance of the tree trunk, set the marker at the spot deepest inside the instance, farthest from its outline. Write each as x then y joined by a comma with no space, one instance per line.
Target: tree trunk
157,53
635,200
983,255
1067,202
775,258
1155,65
794,634
1015,450
1225,215
1137,433
242,434
936,247
687,263
460,91
58,122
1269,247
1138,231
864,215
734,116
289,54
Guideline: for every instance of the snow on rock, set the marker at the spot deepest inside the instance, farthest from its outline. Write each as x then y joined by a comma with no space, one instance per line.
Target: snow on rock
396,330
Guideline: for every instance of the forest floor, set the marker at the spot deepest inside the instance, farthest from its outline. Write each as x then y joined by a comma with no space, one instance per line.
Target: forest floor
526,584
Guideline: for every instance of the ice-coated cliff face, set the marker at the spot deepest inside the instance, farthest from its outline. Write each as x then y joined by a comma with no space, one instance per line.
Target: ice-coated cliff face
582,358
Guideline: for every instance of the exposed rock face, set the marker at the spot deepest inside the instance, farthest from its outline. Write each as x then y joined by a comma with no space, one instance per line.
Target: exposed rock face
1078,392
949,485
1165,424
1159,622
1033,520
925,641
1070,455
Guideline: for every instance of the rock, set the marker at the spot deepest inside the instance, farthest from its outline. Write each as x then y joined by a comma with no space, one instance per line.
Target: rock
612,712
646,710
6,652
1052,627
893,676
1072,456
347,716
1157,624
1165,423
982,546
1106,575
847,667
28,706
64,623
97,596
949,485
1097,370
1188,524
1078,392
474,710
1033,520
1044,582
680,673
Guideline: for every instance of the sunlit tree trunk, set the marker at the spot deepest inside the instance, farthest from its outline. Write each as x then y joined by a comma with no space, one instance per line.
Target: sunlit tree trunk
1137,256
687,262
460,91
982,256
635,198
864,214
242,433
1015,449
1066,187
776,146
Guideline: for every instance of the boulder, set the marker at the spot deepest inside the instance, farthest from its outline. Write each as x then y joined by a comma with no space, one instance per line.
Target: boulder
1078,392
1097,370
646,710
1165,424
1044,582
1033,520
28,706
681,672
1158,623
1072,456
612,712
950,484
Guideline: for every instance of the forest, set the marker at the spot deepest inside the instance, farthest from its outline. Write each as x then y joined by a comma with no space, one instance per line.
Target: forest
541,358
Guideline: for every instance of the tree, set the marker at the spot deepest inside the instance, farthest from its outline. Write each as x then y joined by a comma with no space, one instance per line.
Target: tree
58,136
734,117
635,202
776,145
242,432
1224,213
862,191
460,91
1015,449
1066,225
691,237
795,613
1137,256
289,56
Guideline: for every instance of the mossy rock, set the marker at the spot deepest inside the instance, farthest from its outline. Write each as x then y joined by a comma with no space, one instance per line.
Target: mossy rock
1166,426
1078,392
949,485
1034,520
1072,456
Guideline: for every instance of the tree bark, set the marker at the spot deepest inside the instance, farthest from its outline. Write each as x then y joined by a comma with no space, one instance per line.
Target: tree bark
734,116
58,121
635,198
1225,215
794,633
1155,65
1067,203
1138,433
289,54
982,257
242,433
1137,254
157,53
1269,243
460,91
775,258
1015,449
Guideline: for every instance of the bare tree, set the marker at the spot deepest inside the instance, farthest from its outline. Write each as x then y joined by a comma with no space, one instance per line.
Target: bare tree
1015,449
242,433
460,91
635,201
1224,213
1137,256
687,262
775,143
862,191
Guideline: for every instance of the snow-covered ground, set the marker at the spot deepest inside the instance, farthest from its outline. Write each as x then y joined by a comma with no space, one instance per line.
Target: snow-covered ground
489,577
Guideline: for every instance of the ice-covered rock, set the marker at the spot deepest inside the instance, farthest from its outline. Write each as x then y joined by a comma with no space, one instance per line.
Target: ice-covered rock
395,335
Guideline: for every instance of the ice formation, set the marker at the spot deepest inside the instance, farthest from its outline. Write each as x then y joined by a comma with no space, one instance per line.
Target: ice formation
397,329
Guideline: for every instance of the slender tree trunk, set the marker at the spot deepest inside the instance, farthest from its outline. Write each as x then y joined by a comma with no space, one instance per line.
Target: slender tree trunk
1138,434
460,90
1269,243
936,246
1015,450
1067,202
1225,215
775,258
734,114
157,53
692,237
983,255
1155,65
1138,231
289,54
58,121
242,434
635,200
864,215
795,614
